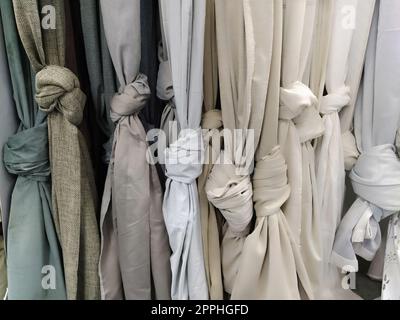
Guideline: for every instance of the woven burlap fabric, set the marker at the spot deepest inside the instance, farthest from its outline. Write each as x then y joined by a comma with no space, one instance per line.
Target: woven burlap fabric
73,193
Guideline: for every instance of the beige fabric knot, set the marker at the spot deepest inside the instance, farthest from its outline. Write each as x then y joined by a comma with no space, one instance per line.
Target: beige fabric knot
232,195
212,119
270,183
298,104
59,88
336,101
131,99
350,150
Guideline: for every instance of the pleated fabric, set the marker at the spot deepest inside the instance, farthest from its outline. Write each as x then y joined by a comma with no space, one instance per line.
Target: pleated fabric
73,189
299,124
134,261
33,244
376,175
330,161
183,23
212,124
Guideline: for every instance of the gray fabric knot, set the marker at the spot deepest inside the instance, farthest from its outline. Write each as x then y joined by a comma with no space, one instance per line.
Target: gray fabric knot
26,154
212,119
336,101
184,157
298,104
131,99
58,88
270,184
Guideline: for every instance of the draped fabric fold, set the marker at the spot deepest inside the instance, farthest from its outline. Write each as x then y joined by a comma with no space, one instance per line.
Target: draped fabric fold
33,244
299,124
134,261
375,177
212,123
73,190
335,151
183,25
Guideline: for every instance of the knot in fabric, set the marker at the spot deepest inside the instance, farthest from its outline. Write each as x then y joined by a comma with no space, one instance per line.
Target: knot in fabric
232,194
59,88
131,99
270,184
350,150
212,119
26,154
298,104
184,157
336,101
376,177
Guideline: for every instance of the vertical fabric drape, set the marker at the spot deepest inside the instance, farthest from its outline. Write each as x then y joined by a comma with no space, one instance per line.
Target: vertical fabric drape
271,262
330,161
212,123
73,190
299,124
376,175
33,243
135,252
183,24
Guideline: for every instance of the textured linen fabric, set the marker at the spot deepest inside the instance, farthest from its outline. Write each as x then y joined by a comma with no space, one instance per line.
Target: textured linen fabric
33,241
73,190
299,124
330,161
183,25
376,175
212,123
135,254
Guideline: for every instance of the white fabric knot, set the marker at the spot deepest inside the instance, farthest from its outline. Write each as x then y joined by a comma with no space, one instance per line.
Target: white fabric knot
336,101
298,104
350,150
376,180
131,99
232,194
184,157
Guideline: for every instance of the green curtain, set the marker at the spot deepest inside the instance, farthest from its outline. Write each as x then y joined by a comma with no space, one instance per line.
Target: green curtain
73,189
34,259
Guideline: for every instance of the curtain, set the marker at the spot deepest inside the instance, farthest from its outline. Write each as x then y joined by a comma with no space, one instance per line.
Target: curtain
329,152
8,126
33,242
73,190
299,123
135,252
375,176
183,24
212,123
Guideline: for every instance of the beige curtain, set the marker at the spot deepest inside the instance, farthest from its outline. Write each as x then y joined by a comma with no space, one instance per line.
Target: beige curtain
212,123
73,190
244,57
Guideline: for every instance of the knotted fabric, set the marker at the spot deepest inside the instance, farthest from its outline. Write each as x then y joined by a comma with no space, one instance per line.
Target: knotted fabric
211,124
262,259
183,167
134,261
376,180
73,190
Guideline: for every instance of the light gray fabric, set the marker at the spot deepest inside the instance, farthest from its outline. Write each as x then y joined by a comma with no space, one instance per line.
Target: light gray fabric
376,175
134,261
183,24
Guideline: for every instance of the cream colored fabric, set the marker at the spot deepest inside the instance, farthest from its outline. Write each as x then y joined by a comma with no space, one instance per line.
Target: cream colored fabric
299,124
330,157
135,253
243,63
183,24
211,124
